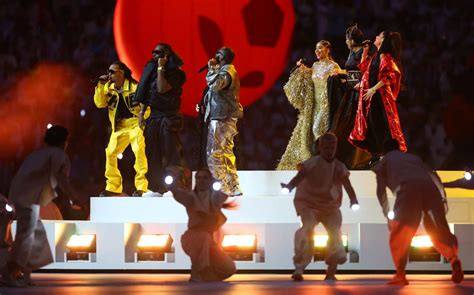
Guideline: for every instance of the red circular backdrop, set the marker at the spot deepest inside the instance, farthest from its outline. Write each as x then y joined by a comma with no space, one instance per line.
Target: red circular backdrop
259,31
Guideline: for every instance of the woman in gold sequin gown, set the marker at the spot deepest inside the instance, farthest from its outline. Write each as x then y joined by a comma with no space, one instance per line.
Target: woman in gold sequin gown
306,90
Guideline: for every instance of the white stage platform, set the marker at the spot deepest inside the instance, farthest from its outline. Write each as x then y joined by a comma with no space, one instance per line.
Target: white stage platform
118,222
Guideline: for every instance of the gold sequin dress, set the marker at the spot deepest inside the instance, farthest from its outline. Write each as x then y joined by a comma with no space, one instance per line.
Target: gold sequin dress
306,90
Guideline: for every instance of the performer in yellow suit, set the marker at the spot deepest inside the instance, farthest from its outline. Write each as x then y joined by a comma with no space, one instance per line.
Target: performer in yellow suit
115,91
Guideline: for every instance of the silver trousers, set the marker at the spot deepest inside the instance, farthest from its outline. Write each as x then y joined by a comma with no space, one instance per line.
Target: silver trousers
220,154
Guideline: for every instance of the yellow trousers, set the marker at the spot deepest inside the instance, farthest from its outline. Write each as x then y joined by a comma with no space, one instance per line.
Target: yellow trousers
127,132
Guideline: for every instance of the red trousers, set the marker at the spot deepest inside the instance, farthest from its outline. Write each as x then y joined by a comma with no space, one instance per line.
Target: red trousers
414,202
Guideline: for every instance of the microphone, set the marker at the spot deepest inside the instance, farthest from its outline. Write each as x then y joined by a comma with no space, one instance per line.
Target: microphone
97,80
303,61
202,68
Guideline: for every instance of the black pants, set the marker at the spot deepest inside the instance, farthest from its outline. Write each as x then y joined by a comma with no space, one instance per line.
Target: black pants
163,149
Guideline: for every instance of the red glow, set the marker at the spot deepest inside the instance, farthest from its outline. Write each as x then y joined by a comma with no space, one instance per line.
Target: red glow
259,31
44,95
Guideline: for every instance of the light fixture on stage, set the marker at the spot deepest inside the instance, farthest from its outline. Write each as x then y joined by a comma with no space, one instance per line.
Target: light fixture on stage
49,125
240,247
320,246
216,186
82,113
422,249
169,179
467,175
80,247
391,215
154,247
355,207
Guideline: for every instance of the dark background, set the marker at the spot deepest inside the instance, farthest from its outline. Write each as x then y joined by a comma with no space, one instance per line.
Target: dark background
436,108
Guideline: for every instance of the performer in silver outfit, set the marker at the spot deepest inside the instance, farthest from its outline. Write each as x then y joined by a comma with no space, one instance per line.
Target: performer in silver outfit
222,110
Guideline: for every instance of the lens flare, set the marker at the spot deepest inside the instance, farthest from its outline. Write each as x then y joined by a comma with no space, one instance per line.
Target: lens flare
467,175
216,186
391,215
169,179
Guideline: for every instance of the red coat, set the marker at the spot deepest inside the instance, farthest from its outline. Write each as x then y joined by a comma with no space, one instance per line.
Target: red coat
391,76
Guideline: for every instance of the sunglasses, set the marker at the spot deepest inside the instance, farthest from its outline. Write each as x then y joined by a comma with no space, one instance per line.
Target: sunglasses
158,52
111,72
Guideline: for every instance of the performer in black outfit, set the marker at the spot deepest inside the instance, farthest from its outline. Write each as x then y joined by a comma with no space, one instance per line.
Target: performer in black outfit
160,87
343,94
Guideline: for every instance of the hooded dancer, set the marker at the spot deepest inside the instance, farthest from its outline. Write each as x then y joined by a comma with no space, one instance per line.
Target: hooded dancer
204,208
318,197
222,110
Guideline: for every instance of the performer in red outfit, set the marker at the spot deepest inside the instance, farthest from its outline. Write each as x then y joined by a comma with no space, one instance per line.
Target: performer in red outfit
377,118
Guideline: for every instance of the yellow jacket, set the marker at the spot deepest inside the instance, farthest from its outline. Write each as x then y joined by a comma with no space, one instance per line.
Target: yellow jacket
107,96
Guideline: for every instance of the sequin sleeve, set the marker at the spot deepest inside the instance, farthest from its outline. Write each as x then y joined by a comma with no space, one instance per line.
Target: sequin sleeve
299,87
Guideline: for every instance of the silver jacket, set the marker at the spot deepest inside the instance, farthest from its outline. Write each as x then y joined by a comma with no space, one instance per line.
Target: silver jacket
222,98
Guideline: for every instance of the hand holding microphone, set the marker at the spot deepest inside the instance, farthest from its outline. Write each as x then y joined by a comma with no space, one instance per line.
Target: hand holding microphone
103,79
299,63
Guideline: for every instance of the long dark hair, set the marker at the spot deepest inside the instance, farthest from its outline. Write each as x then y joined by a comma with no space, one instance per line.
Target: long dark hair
391,44
127,72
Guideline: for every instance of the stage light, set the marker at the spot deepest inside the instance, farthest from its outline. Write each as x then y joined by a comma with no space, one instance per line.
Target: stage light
154,247
216,186
391,215
422,249
49,125
80,247
320,246
240,247
285,190
355,207
120,156
467,175
321,241
82,113
169,179
421,241
8,208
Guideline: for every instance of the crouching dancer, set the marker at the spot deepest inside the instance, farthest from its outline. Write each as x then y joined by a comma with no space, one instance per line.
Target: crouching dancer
204,208
317,199
419,194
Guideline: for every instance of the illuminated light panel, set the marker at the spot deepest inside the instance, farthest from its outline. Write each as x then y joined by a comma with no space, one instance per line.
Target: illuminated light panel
320,241
154,242
240,241
240,247
80,241
421,242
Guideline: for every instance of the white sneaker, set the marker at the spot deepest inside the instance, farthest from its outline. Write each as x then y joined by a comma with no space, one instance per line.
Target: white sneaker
151,194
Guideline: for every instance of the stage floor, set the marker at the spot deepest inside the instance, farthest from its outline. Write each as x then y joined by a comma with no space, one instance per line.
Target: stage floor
258,284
